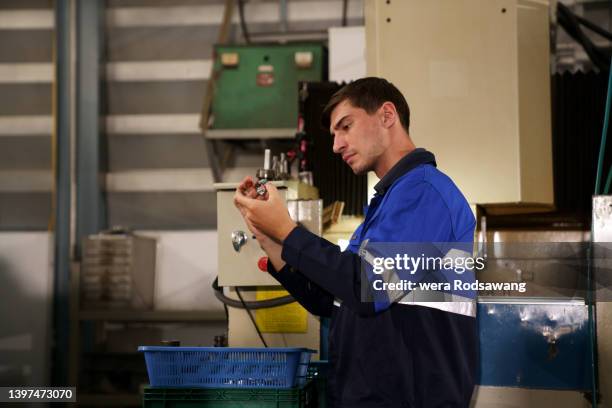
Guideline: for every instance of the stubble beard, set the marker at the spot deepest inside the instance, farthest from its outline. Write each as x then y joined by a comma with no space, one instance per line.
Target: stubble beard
362,169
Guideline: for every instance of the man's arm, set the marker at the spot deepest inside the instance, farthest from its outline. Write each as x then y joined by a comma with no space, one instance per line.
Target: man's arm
309,295
318,260
421,216
325,264
307,287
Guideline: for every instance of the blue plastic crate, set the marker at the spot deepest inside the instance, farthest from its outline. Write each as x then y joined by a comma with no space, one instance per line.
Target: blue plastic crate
226,367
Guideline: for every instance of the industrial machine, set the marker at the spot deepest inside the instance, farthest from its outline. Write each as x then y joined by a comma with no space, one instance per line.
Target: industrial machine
546,326
256,97
243,269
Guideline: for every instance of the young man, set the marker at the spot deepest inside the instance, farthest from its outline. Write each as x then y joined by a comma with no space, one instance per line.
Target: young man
406,354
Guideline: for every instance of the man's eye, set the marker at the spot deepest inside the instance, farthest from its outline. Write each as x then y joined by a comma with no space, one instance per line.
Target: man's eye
346,127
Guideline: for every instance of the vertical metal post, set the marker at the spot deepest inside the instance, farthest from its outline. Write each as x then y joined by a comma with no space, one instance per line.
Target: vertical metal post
90,140
79,154
62,169
598,296
91,151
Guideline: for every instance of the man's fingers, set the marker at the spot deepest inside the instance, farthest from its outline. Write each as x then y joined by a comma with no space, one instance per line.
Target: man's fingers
272,191
241,200
242,210
246,184
252,193
251,227
248,188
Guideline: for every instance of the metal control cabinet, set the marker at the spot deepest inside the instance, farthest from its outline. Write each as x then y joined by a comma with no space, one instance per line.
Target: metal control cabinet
257,86
240,268
476,75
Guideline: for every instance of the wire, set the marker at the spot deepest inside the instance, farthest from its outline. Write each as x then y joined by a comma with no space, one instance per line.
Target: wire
604,134
595,28
344,13
243,25
258,304
252,318
608,182
569,21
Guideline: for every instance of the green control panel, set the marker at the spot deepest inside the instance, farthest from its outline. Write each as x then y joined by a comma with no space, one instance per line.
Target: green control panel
256,86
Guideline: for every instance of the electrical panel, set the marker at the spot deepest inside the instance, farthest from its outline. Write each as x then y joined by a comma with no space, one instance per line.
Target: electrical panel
256,86
241,260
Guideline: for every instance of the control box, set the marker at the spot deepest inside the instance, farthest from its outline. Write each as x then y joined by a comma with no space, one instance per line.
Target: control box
256,86
241,261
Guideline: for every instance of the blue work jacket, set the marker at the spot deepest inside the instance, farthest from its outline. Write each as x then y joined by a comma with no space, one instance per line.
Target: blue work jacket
398,355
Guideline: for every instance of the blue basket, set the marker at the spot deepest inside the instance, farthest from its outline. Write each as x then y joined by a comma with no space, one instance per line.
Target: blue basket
226,367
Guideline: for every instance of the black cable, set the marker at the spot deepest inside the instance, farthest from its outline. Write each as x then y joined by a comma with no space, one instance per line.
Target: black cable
595,28
252,318
344,13
569,21
258,304
243,25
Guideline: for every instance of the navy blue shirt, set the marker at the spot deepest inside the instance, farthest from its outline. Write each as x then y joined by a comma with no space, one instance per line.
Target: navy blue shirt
406,355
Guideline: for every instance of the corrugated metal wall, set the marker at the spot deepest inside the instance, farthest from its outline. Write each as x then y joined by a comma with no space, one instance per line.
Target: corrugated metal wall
157,62
26,72
159,56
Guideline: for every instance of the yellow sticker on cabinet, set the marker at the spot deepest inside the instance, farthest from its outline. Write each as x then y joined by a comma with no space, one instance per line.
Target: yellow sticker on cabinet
291,318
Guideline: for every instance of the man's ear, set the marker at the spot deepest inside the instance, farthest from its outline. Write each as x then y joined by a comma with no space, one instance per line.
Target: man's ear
389,114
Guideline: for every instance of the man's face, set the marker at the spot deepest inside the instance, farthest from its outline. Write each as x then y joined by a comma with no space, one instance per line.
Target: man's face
358,136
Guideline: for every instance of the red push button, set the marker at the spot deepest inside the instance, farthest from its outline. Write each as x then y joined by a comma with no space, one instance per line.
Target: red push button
262,264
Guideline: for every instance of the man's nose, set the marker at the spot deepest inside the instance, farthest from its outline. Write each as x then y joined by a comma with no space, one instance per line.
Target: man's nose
339,144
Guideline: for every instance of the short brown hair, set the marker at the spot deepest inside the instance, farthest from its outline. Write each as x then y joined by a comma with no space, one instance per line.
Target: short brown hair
368,94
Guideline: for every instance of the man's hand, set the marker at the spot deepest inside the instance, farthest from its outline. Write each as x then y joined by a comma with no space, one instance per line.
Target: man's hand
272,248
267,215
248,188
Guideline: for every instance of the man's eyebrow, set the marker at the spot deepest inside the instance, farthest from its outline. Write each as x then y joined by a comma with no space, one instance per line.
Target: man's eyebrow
339,123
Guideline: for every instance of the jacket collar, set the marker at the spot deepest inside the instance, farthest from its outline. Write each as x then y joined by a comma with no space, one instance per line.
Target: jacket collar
413,159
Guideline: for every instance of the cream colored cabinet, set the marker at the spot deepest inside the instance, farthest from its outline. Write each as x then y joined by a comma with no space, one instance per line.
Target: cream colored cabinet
238,251
476,76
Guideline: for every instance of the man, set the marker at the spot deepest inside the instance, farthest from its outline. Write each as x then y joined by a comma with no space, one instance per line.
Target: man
405,354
